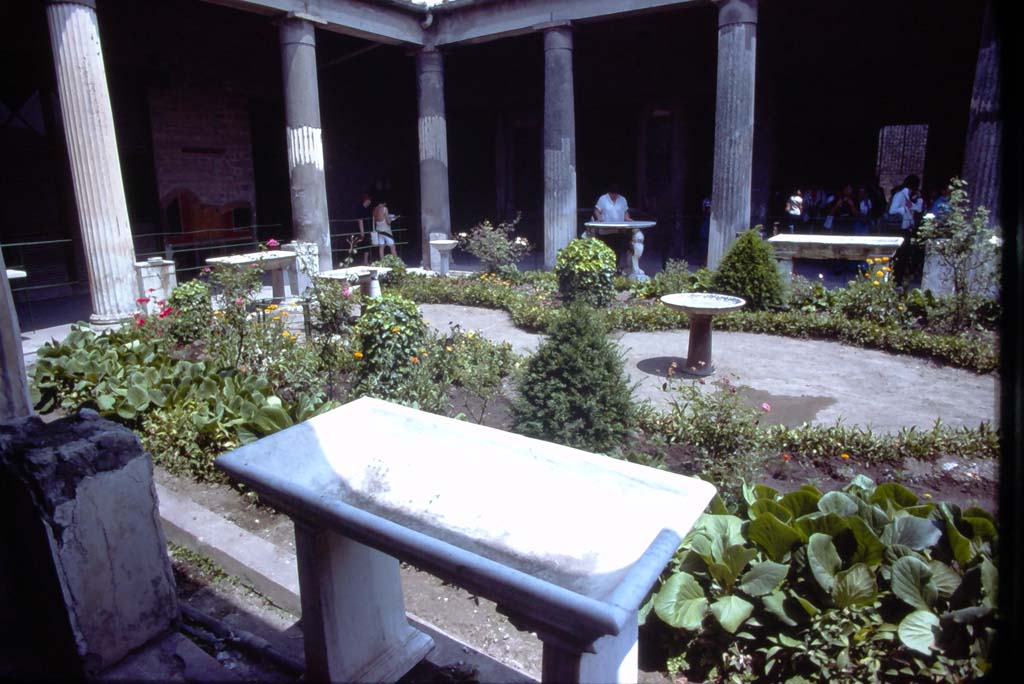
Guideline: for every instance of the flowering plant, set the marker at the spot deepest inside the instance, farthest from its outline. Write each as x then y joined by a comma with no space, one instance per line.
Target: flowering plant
495,246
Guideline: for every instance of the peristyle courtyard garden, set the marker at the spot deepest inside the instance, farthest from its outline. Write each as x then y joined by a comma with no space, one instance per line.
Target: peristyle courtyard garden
822,558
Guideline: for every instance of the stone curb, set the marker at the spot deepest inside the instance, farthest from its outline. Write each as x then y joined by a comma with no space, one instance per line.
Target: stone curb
273,573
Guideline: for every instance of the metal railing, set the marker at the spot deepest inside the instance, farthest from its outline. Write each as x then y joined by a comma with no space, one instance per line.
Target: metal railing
356,242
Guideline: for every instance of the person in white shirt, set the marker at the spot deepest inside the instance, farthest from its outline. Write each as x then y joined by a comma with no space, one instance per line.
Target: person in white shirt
612,207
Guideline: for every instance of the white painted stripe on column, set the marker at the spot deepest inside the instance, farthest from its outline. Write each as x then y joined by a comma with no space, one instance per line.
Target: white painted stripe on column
433,139
305,146
559,199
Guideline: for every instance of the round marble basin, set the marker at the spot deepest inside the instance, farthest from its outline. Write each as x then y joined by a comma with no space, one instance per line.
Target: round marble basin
636,225
444,245
706,303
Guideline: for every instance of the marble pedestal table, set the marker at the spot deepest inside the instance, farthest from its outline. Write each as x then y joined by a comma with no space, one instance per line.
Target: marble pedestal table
636,249
790,246
701,307
368,278
567,543
445,248
277,261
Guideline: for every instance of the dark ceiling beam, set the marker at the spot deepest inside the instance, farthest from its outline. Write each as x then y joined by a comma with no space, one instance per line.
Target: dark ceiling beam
377,21
477,22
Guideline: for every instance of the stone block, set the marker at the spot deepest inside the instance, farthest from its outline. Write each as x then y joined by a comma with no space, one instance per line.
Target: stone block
92,580
155,278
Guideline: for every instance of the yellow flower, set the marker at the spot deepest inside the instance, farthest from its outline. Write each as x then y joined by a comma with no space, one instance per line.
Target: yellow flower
877,283
270,307
449,348
885,258
870,260
927,495
276,318
879,274
867,275
394,329
414,359
845,456
358,355
886,269
286,334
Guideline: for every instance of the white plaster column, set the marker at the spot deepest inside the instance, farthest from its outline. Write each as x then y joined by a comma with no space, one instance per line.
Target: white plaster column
305,141
983,153
559,143
92,151
734,124
435,211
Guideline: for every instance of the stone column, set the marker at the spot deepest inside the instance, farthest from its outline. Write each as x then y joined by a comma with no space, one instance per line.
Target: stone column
305,142
559,143
982,156
14,394
734,124
435,213
92,151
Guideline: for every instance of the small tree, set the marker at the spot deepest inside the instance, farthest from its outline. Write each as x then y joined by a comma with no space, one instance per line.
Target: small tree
748,270
574,389
966,247
585,269
495,246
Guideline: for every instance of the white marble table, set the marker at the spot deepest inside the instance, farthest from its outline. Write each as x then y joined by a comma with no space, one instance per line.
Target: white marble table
367,277
568,543
277,261
14,274
636,250
701,307
790,246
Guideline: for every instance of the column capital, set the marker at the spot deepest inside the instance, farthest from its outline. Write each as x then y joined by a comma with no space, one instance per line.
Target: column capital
557,35
87,3
296,30
736,12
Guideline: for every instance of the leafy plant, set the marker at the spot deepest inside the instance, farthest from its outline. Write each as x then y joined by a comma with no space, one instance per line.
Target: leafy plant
389,336
748,270
968,249
866,584
192,312
479,366
495,246
574,389
398,272
584,269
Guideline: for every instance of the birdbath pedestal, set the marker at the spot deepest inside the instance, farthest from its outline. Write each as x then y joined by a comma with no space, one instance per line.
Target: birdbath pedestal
701,307
445,247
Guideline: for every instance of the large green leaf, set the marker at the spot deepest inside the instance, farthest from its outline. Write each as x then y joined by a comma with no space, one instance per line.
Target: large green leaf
917,631
820,523
870,549
729,527
895,493
773,535
823,560
981,527
763,578
912,583
722,574
681,602
841,504
946,579
855,586
137,397
731,612
862,482
800,502
913,532
774,603
767,506
963,550
737,557
105,402
989,582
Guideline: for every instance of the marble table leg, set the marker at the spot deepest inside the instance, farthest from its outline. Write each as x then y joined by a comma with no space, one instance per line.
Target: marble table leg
635,252
277,283
698,356
614,659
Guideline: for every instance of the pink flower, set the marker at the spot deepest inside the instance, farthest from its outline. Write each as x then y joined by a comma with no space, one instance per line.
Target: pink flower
142,300
166,312
766,407
239,302
152,289
140,321
206,269
272,243
346,292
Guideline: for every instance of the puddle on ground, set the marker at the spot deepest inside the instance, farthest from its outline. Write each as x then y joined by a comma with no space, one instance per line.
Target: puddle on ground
786,409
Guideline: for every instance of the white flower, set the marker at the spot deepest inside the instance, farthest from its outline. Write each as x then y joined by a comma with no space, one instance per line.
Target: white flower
996,240
929,216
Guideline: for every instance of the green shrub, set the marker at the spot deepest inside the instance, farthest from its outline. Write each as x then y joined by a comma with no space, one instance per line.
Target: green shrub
748,270
192,312
574,389
468,360
866,584
398,272
585,269
390,336
675,277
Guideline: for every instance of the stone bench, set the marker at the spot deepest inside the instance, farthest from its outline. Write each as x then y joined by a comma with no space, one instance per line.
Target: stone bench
366,276
567,543
790,246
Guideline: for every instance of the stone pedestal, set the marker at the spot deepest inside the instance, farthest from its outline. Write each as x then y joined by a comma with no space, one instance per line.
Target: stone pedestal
84,562
734,125
92,151
435,253
559,144
155,278
305,142
435,213
14,395
307,266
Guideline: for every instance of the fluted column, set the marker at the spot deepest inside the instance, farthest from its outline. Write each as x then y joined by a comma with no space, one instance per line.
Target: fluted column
559,143
305,141
435,212
734,124
14,395
982,156
92,151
